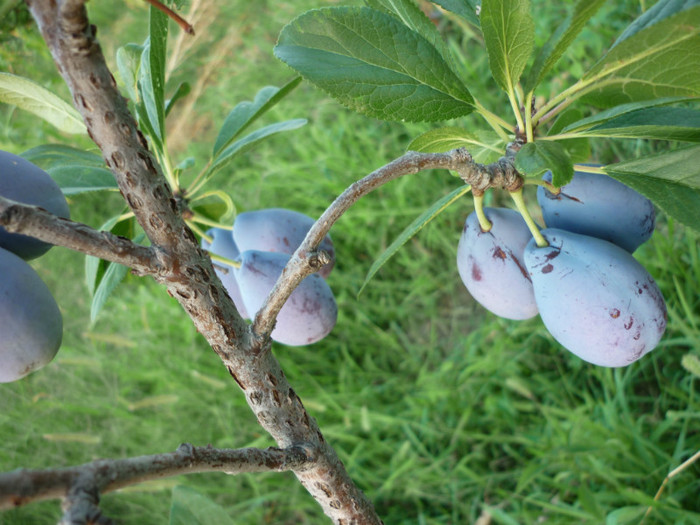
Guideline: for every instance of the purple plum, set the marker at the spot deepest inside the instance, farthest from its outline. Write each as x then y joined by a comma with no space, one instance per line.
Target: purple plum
491,264
22,181
310,313
597,205
277,230
224,246
32,325
595,298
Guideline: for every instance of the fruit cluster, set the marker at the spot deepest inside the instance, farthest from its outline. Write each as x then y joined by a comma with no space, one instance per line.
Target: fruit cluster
592,295
259,247
32,323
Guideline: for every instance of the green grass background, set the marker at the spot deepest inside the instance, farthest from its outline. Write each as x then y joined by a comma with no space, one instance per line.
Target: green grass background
441,412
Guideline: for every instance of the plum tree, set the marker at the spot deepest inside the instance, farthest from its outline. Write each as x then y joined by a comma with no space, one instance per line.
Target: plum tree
32,325
597,205
223,244
491,263
277,230
22,181
595,298
310,312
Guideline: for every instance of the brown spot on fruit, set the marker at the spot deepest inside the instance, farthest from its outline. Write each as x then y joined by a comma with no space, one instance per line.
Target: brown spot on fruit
498,253
476,272
614,313
547,268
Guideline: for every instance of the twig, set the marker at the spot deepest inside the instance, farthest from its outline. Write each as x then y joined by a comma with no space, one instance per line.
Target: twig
23,486
695,457
40,224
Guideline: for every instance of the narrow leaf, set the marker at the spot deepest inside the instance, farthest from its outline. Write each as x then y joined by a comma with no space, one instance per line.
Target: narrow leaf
181,91
652,123
189,507
560,40
77,178
30,96
412,229
579,149
467,9
95,267
671,180
373,64
509,35
535,158
249,141
128,64
245,113
53,155
655,57
484,146
609,114
114,274
152,72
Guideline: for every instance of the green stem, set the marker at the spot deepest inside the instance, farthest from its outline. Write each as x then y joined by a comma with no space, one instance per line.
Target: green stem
548,185
516,108
224,260
196,183
479,209
200,219
529,134
517,197
499,125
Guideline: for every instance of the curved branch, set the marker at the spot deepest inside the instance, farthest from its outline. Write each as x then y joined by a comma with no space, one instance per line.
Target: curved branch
85,482
36,222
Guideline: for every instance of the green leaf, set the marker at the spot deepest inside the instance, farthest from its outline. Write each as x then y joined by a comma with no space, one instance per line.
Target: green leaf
652,123
509,35
128,64
30,96
95,267
53,155
467,9
152,72
113,276
77,178
373,64
215,205
189,507
415,19
560,40
182,90
249,141
657,56
617,111
245,113
484,146
535,158
579,149
671,180
412,229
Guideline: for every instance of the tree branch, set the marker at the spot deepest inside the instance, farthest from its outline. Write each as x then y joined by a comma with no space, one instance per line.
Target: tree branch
36,222
23,486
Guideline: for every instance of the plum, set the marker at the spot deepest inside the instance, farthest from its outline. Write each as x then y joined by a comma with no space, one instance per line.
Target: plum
310,313
595,298
32,325
22,181
491,263
600,206
277,230
223,245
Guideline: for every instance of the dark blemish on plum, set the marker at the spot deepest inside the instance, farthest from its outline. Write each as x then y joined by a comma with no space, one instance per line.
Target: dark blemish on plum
614,313
637,336
498,253
629,324
476,272
547,268
285,241
520,266
553,255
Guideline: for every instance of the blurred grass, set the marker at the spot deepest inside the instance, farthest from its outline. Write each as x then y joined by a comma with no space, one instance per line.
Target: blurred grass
440,411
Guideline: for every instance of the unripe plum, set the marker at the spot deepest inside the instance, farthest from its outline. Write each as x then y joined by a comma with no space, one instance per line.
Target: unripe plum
491,263
22,181
223,245
310,313
595,298
600,206
277,230
32,326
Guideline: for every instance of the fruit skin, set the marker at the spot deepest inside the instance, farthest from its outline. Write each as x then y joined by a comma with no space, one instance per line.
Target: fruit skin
22,181
277,230
311,311
595,298
491,264
32,325
597,205
224,246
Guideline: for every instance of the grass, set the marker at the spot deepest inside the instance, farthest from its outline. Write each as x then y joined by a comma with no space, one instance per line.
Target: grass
440,411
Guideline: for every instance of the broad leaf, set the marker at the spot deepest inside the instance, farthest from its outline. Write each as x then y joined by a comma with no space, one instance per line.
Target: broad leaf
579,149
535,158
30,96
671,180
652,123
412,229
249,141
467,9
484,146
76,178
657,56
182,90
375,65
54,155
509,35
189,507
245,113
152,72
128,64
609,114
560,40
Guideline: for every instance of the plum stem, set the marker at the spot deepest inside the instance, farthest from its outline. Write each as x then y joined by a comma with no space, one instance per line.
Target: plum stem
479,209
517,197
224,260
